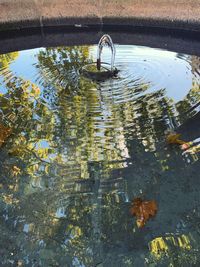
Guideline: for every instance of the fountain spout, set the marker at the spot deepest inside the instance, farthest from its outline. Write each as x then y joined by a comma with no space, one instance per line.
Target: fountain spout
105,41
98,70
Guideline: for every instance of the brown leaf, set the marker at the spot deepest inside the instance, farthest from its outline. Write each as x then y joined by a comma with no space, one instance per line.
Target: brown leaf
143,210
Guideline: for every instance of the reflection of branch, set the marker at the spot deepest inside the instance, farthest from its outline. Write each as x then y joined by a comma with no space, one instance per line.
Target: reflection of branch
36,156
33,164
193,107
96,265
41,160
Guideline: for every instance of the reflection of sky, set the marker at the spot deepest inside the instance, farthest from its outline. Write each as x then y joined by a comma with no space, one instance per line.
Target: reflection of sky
163,69
23,66
2,88
43,144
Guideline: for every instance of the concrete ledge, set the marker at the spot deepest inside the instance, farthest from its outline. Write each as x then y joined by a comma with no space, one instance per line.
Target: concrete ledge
172,25
18,14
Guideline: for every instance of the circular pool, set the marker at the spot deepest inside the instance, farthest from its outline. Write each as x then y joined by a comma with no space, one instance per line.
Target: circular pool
76,152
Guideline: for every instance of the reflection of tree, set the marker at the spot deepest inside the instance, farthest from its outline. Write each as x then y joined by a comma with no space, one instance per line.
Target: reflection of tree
72,149
144,119
60,67
6,59
78,106
186,106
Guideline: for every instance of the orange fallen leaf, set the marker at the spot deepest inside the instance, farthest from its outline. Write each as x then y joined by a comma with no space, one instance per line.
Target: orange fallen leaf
5,132
143,210
174,138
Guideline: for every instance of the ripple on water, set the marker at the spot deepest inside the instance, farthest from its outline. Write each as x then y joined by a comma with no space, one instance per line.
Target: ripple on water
80,150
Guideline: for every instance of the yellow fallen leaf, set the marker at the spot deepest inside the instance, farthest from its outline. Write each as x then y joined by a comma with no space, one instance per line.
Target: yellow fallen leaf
174,138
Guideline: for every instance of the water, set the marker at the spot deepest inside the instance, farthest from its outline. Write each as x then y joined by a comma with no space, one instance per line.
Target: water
74,153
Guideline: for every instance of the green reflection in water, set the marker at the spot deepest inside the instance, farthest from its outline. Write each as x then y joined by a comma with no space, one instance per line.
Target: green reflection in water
73,155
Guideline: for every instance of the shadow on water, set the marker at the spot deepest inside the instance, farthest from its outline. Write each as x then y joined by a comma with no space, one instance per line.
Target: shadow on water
74,153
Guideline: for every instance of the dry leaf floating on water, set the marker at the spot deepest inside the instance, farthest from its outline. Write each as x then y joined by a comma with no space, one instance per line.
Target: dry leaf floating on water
143,210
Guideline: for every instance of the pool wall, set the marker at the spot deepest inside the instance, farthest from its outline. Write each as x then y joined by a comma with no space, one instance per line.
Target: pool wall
179,14
165,24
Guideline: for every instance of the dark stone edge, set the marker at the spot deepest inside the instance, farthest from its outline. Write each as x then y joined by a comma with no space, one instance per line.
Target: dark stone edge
95,22
178,35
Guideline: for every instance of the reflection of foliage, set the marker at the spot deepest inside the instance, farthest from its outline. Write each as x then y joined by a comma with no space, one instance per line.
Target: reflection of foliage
173,250
77,100
60,67
5,132
6,59
162,245
66,155
24,113
186,105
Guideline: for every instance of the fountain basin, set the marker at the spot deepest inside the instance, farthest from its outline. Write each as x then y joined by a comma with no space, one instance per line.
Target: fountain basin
75,152
98,149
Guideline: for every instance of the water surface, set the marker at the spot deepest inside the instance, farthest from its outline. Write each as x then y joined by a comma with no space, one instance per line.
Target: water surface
75,152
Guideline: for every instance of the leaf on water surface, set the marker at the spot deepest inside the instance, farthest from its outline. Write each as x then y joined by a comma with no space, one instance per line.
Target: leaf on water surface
174,138
5,132
143,210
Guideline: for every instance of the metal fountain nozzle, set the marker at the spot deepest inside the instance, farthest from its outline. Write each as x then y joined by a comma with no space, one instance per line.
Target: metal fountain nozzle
98,70
105,41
